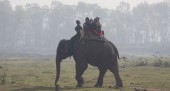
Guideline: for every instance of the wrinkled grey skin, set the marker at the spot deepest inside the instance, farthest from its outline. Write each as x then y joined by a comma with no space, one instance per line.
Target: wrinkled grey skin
102,55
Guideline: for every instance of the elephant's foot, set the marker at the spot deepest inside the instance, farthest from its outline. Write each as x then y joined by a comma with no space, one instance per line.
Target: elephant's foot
118,86
57,88
79,85
98,85
80,80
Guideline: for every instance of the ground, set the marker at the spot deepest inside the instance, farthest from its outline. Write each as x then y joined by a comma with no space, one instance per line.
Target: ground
38,74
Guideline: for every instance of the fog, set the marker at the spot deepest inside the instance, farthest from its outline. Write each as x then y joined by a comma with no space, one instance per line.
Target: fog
34,29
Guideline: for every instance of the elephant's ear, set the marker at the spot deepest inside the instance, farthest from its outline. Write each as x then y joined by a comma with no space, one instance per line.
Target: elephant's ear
61,47
67,46
62,50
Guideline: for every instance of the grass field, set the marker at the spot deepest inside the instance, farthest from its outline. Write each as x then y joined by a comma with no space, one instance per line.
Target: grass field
34,74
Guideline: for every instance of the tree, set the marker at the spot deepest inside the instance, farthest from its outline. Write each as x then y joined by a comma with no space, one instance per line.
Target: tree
6,19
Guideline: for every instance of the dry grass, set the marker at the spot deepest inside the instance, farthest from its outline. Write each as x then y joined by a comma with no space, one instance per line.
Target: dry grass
37,75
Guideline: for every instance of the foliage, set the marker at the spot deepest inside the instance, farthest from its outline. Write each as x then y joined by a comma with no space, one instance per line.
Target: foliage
3,75
142,62
161,63
158,63
33,28
166,64
136,61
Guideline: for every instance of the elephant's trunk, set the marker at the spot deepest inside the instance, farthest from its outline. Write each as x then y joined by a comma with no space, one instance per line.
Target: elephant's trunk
58,61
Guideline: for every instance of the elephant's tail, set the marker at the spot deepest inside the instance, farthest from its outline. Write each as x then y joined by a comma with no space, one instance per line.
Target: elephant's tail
114,47
117,52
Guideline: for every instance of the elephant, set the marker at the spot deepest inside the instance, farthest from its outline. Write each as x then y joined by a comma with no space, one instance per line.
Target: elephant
103,55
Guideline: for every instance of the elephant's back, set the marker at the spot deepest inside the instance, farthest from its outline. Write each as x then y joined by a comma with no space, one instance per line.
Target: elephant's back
95,52
101,47
100,53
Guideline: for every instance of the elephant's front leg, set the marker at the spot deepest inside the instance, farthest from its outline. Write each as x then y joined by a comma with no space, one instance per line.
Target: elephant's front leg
80,68
102,72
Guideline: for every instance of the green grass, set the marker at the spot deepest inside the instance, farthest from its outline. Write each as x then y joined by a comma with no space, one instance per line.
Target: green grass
35,75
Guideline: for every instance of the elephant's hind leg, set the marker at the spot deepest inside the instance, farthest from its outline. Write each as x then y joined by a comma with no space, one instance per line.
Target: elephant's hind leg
80,68
114,69
102,72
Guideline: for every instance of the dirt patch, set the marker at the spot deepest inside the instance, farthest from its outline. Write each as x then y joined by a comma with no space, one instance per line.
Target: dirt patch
146,89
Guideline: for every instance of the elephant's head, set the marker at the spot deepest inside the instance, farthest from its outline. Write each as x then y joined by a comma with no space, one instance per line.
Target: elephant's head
63,49
62,53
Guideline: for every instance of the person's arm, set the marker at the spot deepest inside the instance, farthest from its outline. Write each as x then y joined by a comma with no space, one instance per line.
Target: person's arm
76,29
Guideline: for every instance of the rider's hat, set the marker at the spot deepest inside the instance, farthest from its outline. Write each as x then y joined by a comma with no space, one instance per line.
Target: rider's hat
78,22
97,18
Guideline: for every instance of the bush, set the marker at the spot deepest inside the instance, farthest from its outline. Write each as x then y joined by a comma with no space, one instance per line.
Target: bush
1,67
166,64
158,63
3,78
141,63
3,75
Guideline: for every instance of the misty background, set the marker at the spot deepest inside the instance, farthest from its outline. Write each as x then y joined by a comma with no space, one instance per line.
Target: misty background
34,29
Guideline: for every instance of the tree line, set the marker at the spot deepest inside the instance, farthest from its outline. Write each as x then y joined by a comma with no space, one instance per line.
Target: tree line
34,27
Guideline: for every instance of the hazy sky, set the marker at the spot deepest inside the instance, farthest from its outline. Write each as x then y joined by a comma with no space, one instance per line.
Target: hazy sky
110,4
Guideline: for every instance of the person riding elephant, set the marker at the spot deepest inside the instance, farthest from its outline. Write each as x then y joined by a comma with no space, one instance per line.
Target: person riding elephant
86,30
96,26
86,25
99,25
78,28
91,20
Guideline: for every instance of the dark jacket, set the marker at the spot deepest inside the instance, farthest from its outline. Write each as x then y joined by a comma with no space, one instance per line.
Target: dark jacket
93,26
78,28
86,26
